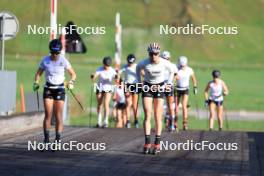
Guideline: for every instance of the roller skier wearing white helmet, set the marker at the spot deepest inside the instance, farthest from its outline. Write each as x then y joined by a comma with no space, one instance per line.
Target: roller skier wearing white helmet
153,89
170,114
182,89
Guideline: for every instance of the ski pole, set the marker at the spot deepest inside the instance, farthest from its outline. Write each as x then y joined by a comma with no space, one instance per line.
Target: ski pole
81,106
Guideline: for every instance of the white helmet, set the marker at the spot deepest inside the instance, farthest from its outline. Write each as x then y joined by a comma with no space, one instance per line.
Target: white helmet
154,48
183,61
165,55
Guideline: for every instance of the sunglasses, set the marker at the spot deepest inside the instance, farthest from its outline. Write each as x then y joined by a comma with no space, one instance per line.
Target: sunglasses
54,53
153,54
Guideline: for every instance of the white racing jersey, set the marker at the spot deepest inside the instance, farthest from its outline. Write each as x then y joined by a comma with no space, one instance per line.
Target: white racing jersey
184,75
120,94
154,73
129,74
168,79
54,70
216,91
105,78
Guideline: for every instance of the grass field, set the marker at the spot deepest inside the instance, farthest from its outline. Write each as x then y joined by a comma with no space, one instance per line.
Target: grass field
194,124
244,84
239,57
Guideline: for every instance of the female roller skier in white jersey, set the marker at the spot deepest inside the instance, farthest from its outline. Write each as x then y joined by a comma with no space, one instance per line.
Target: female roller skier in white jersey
152,92
54,66
182,89
170,118
128,72
216,88
104,89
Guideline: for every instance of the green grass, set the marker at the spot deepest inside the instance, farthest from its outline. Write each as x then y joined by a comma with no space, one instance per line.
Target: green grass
245,85
240,57
194,124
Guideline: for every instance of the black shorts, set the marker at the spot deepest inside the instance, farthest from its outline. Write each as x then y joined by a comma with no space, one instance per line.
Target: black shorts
102,91
180,93
132,88
147,92
121,106
55,94
169,93
217,103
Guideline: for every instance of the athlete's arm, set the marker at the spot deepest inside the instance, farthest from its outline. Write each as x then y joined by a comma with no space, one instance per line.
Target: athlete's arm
94,76
38,75
171,70
72,73
138,71
225,89
194,80
206,91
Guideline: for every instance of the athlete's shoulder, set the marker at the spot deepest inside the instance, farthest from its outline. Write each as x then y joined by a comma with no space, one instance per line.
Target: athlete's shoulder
189,69
101,68
124,67
174,66
46,58
144,62
222,81
63,58
210,82
112,70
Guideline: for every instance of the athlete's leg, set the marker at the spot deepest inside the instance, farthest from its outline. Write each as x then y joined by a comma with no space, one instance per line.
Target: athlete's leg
220,116
128,108
167,114
58,109
212,112
177,99
147,105
124,116
48,106
185,110
158,111
99,98
106,101
119,123
135,107
171,109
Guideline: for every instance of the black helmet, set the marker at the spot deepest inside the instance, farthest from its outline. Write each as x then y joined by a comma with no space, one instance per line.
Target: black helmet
216,73
107,61
131,58
55,46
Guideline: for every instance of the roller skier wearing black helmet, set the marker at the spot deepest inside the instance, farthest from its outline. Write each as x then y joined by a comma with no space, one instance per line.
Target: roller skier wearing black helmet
54,66
214,98
104,88
128,73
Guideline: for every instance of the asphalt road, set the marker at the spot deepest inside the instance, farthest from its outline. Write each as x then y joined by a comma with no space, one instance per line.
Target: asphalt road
123,154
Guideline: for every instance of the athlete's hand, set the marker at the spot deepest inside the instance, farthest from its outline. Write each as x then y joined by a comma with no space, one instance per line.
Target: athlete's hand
195,90
35,86
92,76
70,84
206,103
